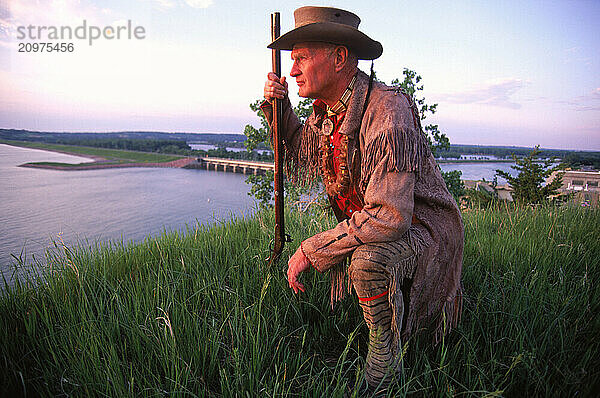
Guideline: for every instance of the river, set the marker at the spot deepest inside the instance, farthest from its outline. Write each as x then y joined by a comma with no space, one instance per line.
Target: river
128,204
478,171
37,206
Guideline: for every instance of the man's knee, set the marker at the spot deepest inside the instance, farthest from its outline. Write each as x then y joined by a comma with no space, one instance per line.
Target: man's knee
379,256
367,259
368,271
372,264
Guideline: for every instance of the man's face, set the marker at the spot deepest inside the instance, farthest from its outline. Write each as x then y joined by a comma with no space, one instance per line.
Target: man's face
313,69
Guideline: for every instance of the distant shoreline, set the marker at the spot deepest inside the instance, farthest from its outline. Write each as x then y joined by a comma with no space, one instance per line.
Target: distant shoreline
92,157
180,163
99,162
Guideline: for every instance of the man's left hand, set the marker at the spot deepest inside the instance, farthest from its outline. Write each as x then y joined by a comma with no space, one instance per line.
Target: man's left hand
298,263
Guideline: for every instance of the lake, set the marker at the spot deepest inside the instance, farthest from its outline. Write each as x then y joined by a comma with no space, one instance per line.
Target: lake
107,204
126,204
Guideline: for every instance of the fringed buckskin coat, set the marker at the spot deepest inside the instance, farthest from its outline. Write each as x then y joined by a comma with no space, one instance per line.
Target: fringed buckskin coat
395,174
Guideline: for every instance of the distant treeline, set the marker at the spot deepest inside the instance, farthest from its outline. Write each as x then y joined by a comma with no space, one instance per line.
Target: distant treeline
219,152
578,159
51,137
242,155
144,145
573,159
501,152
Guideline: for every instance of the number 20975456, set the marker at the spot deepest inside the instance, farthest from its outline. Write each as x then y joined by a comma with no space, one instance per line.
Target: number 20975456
46,47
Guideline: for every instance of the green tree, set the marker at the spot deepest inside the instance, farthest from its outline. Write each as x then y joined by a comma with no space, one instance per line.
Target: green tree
454,183
412,85
528,185
261,188
438,141
256,136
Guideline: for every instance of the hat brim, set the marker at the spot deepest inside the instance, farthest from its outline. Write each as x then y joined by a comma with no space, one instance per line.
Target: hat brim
329,32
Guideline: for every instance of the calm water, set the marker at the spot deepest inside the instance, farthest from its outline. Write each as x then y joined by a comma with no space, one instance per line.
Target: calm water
37,205
477,171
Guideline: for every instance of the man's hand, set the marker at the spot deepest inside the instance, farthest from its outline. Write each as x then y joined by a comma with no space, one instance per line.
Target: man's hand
298,263
275,87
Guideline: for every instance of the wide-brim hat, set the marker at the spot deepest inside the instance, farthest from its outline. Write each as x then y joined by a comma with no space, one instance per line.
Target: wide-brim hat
329,25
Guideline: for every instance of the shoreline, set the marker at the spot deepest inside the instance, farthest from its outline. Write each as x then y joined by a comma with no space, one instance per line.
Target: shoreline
178,164
97,162
92,157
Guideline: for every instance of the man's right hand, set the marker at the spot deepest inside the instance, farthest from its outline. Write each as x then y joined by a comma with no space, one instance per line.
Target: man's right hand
275,87
297,264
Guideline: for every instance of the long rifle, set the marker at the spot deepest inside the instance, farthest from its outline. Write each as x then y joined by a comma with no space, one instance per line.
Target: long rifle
280,236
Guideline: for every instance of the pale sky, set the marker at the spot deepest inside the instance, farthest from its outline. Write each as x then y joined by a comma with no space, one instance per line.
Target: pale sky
503,72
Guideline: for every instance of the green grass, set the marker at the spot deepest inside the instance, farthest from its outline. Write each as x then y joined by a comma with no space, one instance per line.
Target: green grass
199,314
112,155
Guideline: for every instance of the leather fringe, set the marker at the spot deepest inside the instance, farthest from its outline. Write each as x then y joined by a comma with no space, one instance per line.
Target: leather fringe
450,316
305,169
400,149
398,272
338,276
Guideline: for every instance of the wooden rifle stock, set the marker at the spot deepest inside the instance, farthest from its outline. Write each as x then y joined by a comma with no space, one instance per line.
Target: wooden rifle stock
280,236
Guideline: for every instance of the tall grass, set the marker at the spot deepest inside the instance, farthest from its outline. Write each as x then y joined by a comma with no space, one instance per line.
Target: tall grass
200,314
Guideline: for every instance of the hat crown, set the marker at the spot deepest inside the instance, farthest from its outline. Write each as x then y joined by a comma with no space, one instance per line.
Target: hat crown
309,15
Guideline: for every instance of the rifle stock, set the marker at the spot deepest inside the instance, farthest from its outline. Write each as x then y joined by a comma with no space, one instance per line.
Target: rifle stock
280,236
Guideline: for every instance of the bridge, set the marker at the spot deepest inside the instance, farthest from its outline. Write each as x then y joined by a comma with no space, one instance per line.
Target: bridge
233,165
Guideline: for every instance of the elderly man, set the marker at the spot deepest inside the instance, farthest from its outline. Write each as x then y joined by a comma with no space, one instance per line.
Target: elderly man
398,223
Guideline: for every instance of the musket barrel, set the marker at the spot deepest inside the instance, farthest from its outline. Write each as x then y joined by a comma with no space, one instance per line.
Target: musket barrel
280,236
276,54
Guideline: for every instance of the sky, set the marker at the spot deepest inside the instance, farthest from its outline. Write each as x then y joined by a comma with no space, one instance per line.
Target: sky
506,72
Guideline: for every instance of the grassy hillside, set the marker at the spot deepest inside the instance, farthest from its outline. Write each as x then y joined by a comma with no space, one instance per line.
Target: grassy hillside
198,313
111,155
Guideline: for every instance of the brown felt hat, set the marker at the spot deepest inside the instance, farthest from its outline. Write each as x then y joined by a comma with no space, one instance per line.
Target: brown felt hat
329,25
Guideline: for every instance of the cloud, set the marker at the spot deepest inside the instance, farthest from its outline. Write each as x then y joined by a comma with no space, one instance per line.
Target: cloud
169,4
587,102
199,3
495,93
164,4
576,55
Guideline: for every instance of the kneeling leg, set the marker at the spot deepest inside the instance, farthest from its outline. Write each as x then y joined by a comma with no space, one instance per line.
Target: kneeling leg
371,280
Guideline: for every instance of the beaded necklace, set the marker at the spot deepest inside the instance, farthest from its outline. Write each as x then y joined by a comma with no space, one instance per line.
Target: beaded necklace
335,184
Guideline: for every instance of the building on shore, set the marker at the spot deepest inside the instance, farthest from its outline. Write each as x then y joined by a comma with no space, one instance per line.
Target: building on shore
584,185
478,157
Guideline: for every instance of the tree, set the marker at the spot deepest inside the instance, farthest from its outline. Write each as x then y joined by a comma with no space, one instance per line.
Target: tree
454,183
256,136
437,140
412,85
528,185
